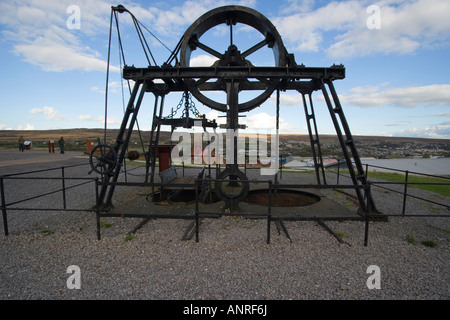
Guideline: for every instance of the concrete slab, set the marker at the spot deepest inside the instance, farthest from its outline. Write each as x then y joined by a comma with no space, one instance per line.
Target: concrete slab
142,206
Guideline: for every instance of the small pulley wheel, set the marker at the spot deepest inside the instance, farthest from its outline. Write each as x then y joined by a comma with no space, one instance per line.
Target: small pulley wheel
103,159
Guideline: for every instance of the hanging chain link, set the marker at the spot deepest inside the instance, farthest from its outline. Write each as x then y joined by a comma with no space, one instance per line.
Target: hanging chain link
188,104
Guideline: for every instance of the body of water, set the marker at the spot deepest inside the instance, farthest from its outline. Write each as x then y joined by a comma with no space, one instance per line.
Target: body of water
439,166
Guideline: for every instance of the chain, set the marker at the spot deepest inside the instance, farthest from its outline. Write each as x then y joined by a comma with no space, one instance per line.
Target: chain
188,104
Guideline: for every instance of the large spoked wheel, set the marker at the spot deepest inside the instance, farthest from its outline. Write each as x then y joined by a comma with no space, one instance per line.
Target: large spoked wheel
216,22
103,159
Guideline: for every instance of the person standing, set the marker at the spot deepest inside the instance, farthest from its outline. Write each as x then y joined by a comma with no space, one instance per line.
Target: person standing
21,143
61,143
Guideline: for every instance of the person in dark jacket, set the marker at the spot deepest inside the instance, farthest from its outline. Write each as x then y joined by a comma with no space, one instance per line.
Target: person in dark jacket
61,143
21,143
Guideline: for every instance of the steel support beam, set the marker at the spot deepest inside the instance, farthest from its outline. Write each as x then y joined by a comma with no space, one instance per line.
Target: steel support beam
334,72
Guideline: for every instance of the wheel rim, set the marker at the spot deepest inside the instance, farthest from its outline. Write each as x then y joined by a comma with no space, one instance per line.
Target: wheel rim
103,159
230,16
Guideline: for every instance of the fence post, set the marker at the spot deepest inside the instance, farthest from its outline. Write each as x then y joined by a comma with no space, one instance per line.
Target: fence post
97,208
339,164
4,214
269,211
368,212
196,211
63,187
405,190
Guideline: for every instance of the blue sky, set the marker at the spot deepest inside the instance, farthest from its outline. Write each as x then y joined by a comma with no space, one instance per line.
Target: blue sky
397,76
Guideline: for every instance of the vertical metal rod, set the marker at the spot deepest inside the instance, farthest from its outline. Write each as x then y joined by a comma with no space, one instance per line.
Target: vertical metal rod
4,214
269,211
366,230
155,142
107,74
97,208
405,190
367,213
125,169
196,210
277,127
63,187
338,166
149,156
281,166
231,33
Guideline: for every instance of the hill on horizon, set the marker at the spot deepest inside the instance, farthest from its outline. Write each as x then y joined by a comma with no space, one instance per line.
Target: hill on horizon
76,138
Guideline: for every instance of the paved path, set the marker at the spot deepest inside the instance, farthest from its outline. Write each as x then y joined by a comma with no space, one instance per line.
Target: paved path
12,157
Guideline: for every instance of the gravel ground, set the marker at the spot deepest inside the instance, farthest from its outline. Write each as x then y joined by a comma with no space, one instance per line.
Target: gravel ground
232,259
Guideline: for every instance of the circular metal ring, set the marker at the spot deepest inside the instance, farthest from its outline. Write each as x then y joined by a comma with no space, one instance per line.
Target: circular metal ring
230,15
103,159
232,186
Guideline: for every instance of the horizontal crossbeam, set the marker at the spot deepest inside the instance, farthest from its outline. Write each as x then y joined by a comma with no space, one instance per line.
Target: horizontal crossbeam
166,73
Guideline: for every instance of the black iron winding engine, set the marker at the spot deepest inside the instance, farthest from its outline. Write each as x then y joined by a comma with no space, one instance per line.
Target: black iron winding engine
232,73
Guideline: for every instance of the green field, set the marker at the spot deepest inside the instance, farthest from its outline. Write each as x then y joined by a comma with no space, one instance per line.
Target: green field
398,177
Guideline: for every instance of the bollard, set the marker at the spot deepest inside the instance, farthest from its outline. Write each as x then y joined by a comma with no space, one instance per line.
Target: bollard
51,146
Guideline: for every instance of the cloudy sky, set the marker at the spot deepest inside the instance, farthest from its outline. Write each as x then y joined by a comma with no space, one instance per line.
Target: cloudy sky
396,53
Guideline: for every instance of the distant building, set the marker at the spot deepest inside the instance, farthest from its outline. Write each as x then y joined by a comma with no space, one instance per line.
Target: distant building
295,164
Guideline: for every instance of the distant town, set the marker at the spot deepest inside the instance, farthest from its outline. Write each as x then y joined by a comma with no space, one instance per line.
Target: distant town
291,145
373,147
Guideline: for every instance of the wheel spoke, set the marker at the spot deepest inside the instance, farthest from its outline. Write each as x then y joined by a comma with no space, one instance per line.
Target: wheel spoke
99,165
231,34
108,160
209,50
254,48
202,81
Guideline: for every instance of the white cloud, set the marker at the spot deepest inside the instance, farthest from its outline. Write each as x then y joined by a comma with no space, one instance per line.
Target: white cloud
289,99
50,113
296,6
436,131
110,120
101,120
216,115
174,20
202,61
113,87
406,26
265,121
409,97
4,127
83,117
40,35
53,56
27,127
304,29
